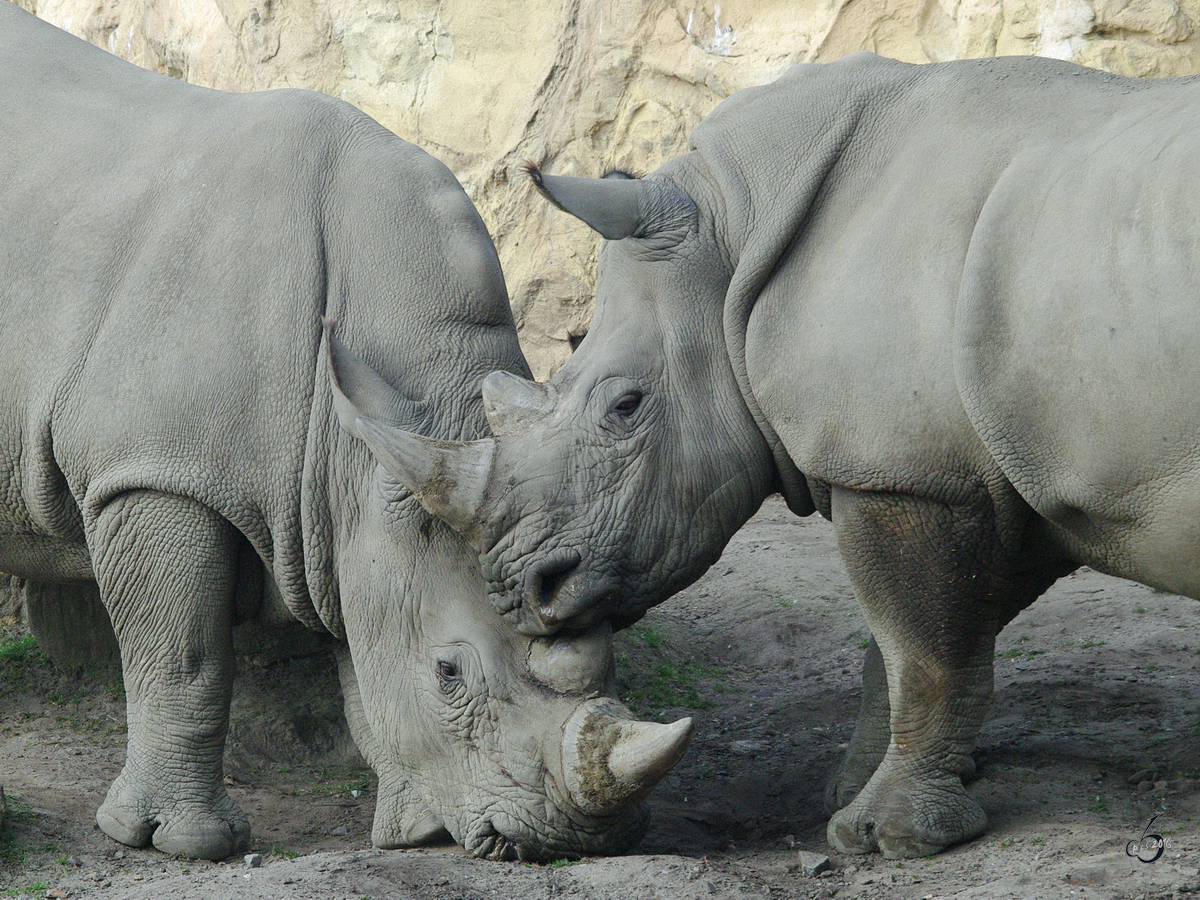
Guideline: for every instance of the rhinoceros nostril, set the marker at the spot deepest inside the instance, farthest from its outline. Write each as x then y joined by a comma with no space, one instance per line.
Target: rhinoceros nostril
548,576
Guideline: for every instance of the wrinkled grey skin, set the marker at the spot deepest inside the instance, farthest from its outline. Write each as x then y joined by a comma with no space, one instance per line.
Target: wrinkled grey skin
951,307
170,429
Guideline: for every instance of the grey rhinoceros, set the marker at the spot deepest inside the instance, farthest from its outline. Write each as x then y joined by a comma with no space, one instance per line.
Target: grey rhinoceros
952,307
168,428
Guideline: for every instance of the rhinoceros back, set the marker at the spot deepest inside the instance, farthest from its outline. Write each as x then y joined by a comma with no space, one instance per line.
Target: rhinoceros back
167,253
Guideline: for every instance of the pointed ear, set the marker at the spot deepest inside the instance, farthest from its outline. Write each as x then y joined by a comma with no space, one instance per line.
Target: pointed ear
359,391
512,403
449,478
618,206
608,205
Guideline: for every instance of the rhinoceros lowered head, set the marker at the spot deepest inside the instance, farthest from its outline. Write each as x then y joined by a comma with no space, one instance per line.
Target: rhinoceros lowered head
952,307
170,429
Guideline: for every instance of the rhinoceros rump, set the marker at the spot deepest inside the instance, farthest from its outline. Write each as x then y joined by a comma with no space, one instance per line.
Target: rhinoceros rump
953,307
168,428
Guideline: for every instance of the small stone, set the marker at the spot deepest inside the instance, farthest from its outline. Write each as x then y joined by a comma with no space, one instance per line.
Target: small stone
119,854
56,894
74,861
813,864
1145,787
253,860
850,871
340,830
1142,775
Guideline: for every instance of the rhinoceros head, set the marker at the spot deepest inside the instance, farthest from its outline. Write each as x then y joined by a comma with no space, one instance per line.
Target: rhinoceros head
506,742
619,481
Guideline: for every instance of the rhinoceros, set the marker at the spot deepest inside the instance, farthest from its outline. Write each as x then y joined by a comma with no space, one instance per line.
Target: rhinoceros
177,425
952,307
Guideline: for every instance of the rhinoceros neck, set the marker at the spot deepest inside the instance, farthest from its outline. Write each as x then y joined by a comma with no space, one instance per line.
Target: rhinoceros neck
762,159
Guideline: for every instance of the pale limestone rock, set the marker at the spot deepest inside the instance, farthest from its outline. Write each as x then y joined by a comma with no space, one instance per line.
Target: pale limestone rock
579,86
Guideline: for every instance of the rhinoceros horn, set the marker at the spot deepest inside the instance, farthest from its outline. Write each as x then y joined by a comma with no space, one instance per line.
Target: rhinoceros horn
448,478
611,761
512,403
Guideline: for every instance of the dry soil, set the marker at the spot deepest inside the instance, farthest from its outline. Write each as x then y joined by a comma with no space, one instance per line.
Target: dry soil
1094,729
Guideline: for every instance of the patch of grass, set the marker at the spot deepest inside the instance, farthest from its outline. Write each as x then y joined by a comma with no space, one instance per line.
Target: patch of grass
1098,804
864,644
563,863
12,853
34,887
1037,841
667,685
20,660
344,779
283,852
649,635
1088,645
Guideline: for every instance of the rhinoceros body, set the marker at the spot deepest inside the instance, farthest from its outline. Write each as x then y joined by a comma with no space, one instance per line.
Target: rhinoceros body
168,429
952,307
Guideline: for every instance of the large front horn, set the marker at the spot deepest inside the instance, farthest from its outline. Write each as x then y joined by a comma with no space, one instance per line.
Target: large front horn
512,403
611,761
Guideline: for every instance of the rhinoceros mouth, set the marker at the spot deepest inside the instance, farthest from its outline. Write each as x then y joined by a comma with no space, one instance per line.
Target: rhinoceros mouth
491,844
566,840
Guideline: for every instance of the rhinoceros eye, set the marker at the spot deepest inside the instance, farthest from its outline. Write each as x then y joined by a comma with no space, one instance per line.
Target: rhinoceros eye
628,404
447,672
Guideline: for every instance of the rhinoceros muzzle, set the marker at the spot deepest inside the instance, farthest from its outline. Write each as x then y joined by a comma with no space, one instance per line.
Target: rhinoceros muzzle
611,761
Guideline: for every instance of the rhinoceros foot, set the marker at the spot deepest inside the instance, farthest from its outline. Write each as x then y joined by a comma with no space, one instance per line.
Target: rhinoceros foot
137,813
906,819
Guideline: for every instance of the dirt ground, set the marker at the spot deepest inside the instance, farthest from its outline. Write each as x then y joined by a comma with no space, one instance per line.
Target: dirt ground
1094,730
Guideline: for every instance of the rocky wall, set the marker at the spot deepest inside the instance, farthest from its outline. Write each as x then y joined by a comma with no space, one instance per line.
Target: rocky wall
581,86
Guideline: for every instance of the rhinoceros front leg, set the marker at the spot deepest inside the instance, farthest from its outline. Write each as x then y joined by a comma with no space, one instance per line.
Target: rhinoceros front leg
872,734
167,569
929,579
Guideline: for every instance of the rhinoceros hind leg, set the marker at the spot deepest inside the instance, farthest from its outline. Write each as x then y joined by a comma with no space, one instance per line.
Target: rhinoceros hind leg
166,567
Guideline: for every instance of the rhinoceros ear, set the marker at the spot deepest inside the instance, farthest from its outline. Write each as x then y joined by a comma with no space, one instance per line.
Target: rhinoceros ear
620,206
608,205
358,390
448,478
